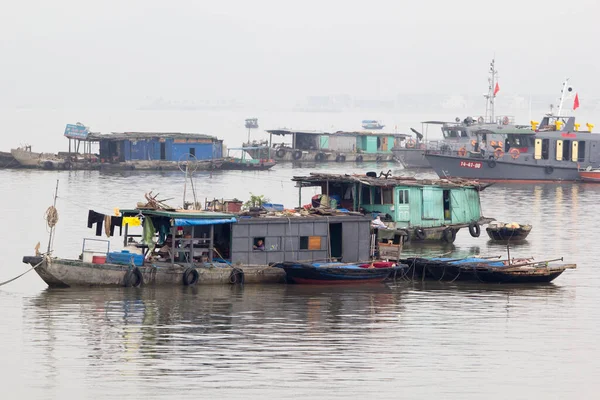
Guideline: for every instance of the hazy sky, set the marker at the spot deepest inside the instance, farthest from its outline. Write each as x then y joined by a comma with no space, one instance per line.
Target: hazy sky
78,52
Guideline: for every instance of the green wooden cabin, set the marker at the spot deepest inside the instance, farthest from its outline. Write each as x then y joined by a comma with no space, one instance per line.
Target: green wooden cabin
422,209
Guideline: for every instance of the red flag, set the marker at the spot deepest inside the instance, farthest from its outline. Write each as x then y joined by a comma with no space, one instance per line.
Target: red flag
576,102
496,89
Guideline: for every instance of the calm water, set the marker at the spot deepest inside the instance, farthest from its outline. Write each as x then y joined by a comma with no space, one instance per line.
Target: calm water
407,340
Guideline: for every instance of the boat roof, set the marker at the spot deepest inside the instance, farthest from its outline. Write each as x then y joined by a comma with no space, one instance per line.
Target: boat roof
316,179
184,214
507,130
150,135
283,132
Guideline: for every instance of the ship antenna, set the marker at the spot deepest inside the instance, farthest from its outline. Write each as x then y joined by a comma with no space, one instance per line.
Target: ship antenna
491,96
562,96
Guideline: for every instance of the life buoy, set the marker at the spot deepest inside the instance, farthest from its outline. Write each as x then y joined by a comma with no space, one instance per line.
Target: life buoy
133,278
498,153
462,152
190,276
419,233
480,120
493,143
505,121
422,146
491,163
359,158
474,229
297,154
473,142
340,158
410,143
280,153
319,157
449,235
549,169
514,153
500,144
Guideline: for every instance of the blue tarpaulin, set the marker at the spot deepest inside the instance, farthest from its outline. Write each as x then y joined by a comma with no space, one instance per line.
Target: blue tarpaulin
203,221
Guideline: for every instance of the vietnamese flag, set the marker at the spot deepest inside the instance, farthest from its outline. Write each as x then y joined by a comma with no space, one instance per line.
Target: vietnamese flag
496,89
576,102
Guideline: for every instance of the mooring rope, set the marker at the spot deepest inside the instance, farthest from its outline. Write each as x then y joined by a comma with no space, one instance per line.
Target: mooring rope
51,216
17,277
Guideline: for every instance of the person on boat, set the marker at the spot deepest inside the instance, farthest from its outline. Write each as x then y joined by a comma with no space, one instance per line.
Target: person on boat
378,223
260,245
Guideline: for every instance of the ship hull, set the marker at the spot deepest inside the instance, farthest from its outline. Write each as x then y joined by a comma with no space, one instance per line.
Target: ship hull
411,158
492,170
318,156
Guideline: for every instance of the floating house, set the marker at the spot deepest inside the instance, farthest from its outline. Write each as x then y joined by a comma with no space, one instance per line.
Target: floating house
417,209
158,146
321,146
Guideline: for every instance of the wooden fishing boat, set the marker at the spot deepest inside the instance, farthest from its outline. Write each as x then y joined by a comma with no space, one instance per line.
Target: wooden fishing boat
476,269
340,273
589,174
504,232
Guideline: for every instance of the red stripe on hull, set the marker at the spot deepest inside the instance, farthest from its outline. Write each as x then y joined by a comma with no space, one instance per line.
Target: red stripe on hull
590,176
336,282
514,180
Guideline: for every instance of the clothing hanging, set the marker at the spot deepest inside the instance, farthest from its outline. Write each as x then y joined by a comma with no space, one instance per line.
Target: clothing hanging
96,218
132,221
116,222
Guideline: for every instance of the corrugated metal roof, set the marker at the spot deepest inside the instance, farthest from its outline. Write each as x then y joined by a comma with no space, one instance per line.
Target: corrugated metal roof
283,132
150,135
316,179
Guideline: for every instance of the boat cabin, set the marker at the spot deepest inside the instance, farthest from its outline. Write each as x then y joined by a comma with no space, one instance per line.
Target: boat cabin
146,146
189,237
401,202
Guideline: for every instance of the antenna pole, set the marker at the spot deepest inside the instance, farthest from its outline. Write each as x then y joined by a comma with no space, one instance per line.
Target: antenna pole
490,96
562,96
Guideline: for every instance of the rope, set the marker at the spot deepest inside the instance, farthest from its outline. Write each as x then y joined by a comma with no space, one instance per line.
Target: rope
51,216
18,276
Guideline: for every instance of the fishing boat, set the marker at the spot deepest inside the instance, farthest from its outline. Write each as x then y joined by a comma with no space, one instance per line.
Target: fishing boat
246,163
504,232
319,146
29,159
589,174
7,160
555,149
340,273
372,124
476,269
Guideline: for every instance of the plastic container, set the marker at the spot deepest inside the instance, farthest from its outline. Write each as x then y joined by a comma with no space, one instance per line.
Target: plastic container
98,259
272,206
125,258
87,256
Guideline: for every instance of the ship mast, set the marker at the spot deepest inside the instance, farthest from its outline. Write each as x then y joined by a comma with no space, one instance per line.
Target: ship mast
491,96
563,91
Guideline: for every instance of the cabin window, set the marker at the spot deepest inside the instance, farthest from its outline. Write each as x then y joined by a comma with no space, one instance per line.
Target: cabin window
463,133
403,196
378,196
310,242
258,244
581,152
545,149
566,150
193,151
365,195
388,196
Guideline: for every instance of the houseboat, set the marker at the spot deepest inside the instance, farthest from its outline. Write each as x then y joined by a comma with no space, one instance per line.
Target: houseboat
414,209
318,146
245,163
187,247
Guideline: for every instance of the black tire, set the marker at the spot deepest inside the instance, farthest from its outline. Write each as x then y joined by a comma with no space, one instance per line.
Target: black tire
297,155
359,158
190,276
48,165
340,158
549,170
319,157
280,153
236,276
491,163
449,235
134,278
132,167
66,165
419,233
474,229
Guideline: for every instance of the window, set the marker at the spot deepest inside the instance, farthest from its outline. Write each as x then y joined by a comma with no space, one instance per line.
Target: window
258,244
365,195
581,152
388,196
310,242
377,199
566,150
193,151
545,149
403,196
